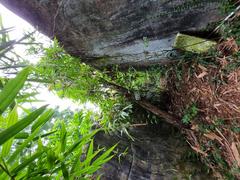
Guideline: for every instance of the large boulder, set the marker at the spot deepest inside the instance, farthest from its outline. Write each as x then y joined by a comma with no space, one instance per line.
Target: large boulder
157,153
103,32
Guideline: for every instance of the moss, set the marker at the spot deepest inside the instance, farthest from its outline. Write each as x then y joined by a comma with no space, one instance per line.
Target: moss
193,44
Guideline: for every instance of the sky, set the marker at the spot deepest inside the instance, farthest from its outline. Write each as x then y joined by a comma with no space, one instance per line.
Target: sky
21,26
11,20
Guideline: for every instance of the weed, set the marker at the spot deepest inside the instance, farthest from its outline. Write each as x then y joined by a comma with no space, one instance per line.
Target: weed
190,114
145,42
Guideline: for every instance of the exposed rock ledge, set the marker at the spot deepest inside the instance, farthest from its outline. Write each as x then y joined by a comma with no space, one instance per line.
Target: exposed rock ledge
104,32
156,154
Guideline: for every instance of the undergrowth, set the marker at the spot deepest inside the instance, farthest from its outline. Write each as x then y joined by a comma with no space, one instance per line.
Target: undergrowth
212,73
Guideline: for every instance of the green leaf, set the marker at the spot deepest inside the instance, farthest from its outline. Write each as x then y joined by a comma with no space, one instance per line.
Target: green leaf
20,125
72,148
40,145
12,88
63,137
11,119
99,177
105,156
43,119
90,151
26,163
88,159
26,96
21,135
4,176
52,158
84,140
86,170
40,178
76,161
99,163
44,135
22,146
64,171
24,135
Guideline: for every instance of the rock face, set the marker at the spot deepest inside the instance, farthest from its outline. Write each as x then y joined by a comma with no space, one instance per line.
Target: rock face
156,154
105,32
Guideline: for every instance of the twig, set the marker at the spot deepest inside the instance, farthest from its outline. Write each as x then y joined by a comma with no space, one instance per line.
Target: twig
139,125
227,18
11,67
10,47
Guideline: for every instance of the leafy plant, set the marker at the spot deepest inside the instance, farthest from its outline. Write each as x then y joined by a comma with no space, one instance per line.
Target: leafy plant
30,157
190,114
71,78
30,151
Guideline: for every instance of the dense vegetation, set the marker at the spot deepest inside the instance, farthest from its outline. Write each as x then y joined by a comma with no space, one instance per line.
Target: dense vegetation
47,144
30,147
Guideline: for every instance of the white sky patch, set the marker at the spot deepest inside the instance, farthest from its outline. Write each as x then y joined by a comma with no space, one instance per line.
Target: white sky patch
12,20
20,26
54,101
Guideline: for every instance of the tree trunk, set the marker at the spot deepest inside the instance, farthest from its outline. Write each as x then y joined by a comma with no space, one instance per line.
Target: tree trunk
103,32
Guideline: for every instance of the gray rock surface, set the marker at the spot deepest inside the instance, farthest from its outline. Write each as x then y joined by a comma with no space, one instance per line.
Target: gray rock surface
105,32
156,154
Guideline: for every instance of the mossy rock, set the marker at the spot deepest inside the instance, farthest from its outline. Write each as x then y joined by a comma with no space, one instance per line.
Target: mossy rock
193,44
